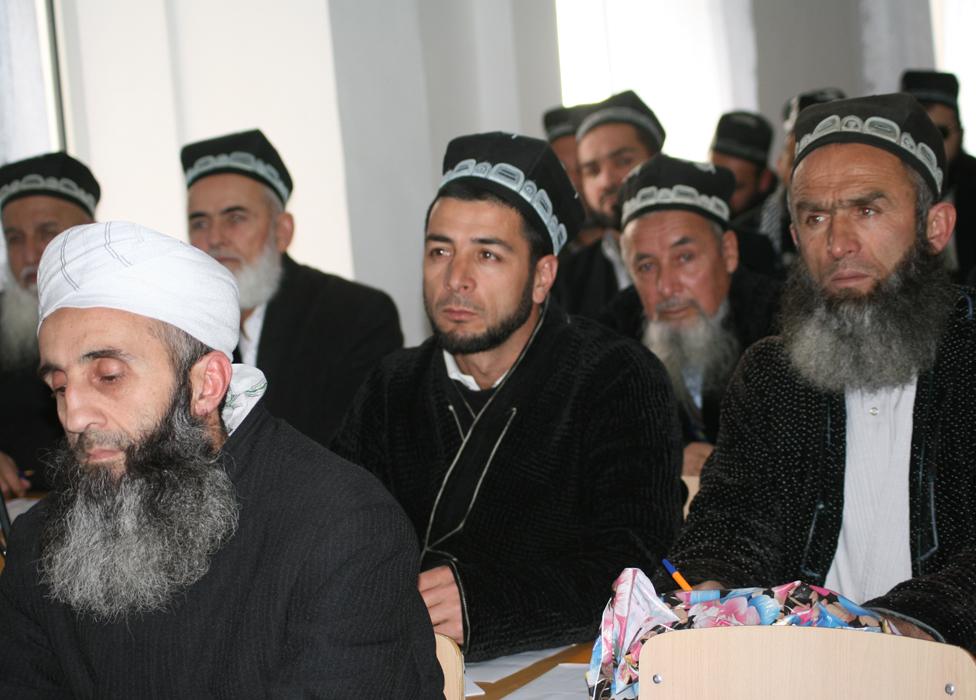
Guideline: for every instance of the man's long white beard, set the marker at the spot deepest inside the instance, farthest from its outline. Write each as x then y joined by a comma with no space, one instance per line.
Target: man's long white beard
117,546
18,323
704,346
258,281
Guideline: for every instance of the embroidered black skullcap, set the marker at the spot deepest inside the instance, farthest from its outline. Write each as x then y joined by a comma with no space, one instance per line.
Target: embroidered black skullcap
664,182
798,103
53,175
626,108
745,135
896,123
522,171
931,86
248,153
564,121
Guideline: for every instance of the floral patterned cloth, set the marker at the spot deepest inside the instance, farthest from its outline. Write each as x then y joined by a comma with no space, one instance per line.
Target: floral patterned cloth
636,613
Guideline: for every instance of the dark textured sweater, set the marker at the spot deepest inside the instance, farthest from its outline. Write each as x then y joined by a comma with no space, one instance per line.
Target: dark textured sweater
584,482
772,494
314,596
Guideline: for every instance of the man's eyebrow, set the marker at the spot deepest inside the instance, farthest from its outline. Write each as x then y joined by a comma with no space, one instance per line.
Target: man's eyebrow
102,353
488,240
437,238
684,240
640,257
223,212
613,154
858,201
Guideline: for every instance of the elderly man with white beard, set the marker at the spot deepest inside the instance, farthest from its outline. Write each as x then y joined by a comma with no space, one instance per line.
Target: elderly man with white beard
193,545
316,336
845,453
691,303
39,198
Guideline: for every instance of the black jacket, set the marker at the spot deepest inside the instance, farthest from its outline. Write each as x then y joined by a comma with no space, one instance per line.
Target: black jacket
321,338
586,281
314,595
772,494
579,480
753,306
962,176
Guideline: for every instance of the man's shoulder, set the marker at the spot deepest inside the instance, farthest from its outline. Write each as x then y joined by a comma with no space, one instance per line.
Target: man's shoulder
312,283
588,347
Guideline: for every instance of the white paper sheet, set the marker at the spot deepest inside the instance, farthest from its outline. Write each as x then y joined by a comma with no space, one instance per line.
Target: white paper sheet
470,689
496,669
19,506
561,683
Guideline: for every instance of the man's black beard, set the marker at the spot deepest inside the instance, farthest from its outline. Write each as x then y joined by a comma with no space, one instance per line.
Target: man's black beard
119,545
493,336
868,342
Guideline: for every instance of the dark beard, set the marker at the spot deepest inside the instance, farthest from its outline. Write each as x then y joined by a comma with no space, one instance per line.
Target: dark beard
114,546
493,336
880,339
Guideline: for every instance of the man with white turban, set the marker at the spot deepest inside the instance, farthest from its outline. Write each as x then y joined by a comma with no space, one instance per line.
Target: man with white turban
193,544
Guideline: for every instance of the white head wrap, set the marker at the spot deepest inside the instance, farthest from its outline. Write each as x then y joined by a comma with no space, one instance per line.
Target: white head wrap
119,265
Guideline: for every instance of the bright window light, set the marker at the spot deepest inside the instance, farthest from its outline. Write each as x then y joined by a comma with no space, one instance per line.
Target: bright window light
671,54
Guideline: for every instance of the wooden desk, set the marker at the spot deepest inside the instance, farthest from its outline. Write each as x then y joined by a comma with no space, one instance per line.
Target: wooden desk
576,654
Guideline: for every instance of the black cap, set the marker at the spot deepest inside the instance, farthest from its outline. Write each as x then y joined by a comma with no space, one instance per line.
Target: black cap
564,121
931,86
524,172
53,175
896,123
664,182
624,108
745,135
798,103
248,153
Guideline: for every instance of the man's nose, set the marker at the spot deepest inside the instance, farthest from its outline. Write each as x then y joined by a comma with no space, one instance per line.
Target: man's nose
459,275
79,411
842,237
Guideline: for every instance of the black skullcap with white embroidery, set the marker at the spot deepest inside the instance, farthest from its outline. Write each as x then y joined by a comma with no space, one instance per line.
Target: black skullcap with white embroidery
896,123
797,103
664,182
624,108
745,135
929,86
522,171
247,153
53,175
564,121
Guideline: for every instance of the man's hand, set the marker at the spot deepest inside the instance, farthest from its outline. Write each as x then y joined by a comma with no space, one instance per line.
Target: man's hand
11,484
695,455
907,629
443,601
708,586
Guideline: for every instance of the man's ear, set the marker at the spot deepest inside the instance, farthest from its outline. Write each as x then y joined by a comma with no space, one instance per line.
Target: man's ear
545,277
765,180
941,223
730,251
209,381
284,230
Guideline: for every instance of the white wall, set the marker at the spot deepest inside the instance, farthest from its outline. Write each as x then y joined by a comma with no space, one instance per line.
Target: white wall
143,78
410,76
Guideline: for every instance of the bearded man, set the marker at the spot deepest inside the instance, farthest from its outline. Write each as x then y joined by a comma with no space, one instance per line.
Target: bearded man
39,198
845,453
536,454
315,336
193,545
691,303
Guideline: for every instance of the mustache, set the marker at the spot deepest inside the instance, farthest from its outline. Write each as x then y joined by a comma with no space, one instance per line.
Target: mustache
26,273
677,303
225,253
458,301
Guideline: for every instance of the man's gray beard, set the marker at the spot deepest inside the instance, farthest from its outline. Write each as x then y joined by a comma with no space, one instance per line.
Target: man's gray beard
116,546
258,281
18,323
705,345
881,339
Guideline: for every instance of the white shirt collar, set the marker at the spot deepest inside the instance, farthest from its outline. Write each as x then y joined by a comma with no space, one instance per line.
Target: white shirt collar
247,344
455,373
